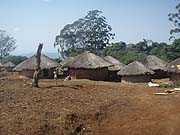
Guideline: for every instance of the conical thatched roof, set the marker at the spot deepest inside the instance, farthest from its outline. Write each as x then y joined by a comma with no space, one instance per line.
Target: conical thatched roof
88,60
30,64
154,63
174,66
134,68
66,62
116,65
1,65
9,64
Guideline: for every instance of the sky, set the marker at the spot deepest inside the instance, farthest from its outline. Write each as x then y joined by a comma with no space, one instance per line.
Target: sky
33,21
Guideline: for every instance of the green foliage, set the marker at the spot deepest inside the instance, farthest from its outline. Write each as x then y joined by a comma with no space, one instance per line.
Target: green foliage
169,85
14,59
164,85
7,44
159,50
128,53
125,53
175,20
131,56
91,32
174,50
71,52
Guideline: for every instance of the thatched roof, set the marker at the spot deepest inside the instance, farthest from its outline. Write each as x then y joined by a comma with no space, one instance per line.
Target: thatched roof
66,62
9,64
30,64
174,66
154,63
116,64
88,60
135,68
1,65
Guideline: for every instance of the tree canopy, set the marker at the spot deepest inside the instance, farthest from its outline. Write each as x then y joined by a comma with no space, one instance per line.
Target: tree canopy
14,59
91,32
7,44
175,19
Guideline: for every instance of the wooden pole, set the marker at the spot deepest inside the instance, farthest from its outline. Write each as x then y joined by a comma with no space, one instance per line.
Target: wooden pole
38,67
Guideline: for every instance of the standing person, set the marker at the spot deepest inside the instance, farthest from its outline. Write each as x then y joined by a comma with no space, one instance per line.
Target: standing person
55,76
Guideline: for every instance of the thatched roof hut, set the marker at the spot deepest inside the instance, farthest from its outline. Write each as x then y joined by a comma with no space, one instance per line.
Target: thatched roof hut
88,60
156,64
66,62
174,69
28,66
174,66
1,65
63,67
89,66
116,64
9,66
135,72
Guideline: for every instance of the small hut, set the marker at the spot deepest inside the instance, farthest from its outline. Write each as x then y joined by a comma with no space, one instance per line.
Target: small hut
63,67
157,65
174,69
9,66
1,67
135,72
28,66
116,66
88,66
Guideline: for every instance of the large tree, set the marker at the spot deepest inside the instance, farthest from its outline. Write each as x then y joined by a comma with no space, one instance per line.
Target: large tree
173,50
175,19
91,32
7,44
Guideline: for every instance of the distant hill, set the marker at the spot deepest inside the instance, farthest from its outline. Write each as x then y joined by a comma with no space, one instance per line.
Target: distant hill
49,54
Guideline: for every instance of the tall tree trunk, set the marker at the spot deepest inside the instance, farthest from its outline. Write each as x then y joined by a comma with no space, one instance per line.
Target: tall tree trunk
38,67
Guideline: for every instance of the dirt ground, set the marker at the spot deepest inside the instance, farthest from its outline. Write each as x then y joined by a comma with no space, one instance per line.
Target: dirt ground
83,107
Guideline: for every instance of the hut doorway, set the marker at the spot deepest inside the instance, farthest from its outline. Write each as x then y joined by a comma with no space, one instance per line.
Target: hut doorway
45,73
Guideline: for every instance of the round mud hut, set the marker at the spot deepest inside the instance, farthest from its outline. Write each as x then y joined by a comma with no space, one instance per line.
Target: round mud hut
174,70
157,65
27,67
112,70
89,66
135,72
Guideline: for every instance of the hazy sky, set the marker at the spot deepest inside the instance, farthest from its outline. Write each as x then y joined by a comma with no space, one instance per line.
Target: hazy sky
34,21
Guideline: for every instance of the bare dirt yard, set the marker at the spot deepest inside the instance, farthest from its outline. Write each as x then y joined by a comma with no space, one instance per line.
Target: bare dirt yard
85,107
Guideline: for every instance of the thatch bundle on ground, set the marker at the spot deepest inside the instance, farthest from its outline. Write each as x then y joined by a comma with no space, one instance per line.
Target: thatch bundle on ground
174,69
157,65
88,66
135,72
28,66
9,66
116,66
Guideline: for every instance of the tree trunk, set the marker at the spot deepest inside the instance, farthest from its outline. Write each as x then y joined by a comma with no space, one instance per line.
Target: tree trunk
38,67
